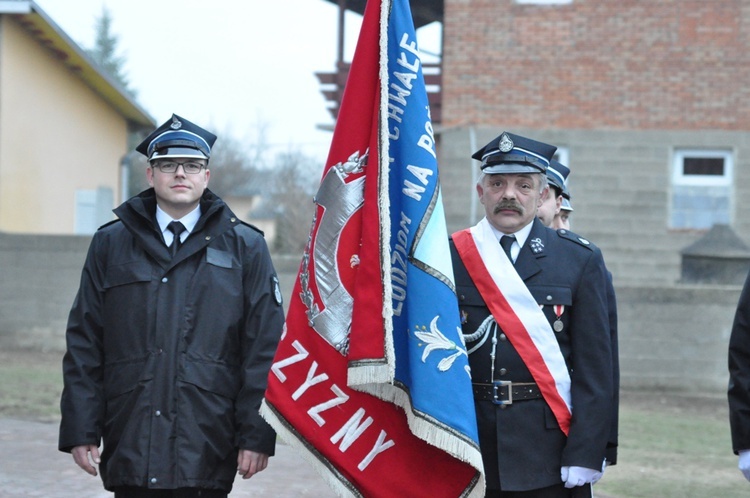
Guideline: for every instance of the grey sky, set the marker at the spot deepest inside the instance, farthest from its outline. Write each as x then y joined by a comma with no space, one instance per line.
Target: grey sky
228,64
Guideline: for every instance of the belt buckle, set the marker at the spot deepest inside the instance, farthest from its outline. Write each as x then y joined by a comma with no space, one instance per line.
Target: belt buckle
495,398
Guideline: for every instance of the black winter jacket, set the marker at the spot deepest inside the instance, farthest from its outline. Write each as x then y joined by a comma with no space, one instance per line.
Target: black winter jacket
167,360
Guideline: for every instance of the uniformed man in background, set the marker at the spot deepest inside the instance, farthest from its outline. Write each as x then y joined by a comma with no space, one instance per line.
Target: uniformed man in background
552,203
562,219
557,178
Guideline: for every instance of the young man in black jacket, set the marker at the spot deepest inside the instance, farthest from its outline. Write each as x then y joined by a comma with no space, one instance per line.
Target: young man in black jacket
171,335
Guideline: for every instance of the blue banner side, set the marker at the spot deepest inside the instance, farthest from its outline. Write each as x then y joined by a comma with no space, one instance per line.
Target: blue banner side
431,359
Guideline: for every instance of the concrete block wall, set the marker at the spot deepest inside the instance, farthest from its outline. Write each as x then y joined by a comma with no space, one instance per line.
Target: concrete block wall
671,337
676,337
620,184
39,278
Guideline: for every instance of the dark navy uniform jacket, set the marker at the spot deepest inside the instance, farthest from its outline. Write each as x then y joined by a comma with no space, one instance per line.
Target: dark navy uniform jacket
168,359
614,430
522,444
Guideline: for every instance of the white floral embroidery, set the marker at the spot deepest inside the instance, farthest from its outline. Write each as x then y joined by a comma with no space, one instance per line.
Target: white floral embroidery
436,340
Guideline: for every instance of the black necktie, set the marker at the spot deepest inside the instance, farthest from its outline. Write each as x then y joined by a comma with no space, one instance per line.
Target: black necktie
176,228
506,241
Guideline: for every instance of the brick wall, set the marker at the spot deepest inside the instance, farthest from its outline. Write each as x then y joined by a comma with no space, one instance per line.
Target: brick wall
598,64
620,84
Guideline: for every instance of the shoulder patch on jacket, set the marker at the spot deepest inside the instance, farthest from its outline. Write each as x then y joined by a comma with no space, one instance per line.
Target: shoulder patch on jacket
276,290
252,226
567,234
117,220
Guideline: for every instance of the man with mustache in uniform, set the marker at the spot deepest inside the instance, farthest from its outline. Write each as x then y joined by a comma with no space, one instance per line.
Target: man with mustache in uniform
534,316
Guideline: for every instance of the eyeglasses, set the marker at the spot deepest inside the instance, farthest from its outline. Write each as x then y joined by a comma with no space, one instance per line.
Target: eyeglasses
190,167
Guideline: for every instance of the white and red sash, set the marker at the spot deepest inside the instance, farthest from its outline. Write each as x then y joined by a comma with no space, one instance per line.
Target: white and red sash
518,314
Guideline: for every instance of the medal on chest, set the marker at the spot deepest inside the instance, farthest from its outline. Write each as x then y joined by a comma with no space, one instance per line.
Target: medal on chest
558,324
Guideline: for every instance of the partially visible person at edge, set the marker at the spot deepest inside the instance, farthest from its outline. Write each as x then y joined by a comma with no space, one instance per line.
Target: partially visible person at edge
562,219
557,178
551,204
171,335
739,381
541,367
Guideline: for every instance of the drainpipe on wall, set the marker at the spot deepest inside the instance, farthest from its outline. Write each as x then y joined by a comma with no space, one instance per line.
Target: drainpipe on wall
472,191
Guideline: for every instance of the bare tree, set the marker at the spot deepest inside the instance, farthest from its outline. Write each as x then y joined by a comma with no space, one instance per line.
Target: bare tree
236,165
136,165
283,189
295,181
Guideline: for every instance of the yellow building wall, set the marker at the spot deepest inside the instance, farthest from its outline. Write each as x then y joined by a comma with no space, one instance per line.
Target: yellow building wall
56,137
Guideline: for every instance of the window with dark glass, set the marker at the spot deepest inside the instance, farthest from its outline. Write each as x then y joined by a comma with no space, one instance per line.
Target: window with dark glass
703,166
701,193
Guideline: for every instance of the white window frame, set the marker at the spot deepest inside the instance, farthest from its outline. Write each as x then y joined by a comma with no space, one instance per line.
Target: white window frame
93,208
680,178
682,181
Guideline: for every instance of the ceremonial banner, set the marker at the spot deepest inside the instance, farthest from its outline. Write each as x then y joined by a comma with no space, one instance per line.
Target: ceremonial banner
371,378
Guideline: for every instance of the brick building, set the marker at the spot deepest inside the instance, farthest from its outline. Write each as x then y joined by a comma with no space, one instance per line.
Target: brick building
648,103
646,100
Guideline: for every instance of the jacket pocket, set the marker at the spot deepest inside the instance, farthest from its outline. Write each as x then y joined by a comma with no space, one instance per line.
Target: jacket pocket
222,259
550,421
218,378
469,296
127,273
124,376
551,294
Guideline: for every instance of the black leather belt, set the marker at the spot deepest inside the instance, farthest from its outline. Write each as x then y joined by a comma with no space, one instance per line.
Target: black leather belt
504,392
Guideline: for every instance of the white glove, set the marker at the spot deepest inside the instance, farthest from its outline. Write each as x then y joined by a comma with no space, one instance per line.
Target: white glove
578,476
744,464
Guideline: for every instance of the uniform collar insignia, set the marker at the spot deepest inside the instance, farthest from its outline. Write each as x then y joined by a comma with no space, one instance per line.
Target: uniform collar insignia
536,245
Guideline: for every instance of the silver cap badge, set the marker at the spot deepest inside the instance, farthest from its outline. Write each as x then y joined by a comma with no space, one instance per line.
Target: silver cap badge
506,144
